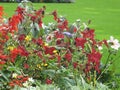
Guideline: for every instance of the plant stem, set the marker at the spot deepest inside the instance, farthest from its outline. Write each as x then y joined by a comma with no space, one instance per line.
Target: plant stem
107,60
102,73
94,81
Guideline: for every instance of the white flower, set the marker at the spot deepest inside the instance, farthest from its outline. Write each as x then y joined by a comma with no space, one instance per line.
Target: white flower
30,80
100,47
114,43
14,75
26,84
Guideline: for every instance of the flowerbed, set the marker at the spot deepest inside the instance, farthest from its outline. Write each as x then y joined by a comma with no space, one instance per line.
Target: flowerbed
53,56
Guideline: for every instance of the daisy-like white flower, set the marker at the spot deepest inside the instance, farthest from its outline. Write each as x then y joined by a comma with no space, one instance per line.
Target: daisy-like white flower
114,43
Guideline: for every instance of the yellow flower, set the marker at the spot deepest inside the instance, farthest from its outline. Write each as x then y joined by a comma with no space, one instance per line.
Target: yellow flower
38,66
45,64
45,44
28,38
55,51
10,48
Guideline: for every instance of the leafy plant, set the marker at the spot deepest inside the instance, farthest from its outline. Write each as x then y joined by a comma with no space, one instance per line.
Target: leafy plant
64,57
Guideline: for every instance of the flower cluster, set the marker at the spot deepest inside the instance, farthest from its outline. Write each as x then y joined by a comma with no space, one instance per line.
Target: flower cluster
47,53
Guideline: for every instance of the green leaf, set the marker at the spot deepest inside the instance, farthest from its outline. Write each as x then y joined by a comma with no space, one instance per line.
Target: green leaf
4,76
15,69
50,72
41,33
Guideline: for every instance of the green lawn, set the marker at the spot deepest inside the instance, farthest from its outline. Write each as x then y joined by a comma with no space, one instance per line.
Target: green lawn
105,15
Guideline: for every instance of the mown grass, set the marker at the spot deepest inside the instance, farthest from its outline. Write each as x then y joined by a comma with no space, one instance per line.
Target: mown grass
103,13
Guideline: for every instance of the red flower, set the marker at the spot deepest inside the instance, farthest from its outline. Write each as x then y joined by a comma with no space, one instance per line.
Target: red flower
68,56
3,59
24,79
65,23
54,13
88,68
2,62
3,36
88,34
33,18
21,37
59,35
39,12
23,52
13,22
62,24
26,66
20,10
39,53
75,30
14,53
48,81
105,42
1,11
18,81
11,84
58,59
75,64
40,22
49,50
94,58
80,42
38,41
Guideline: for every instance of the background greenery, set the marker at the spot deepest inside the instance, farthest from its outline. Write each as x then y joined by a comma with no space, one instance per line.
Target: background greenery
103,13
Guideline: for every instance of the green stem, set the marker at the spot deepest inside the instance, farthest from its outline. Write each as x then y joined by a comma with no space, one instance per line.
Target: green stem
94,78
106,68
89,47
107,60
102,73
